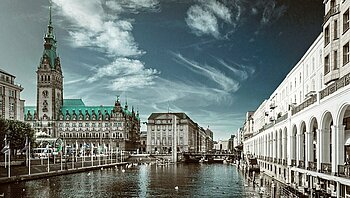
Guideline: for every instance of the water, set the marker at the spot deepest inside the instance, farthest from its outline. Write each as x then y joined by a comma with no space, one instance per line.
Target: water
192,180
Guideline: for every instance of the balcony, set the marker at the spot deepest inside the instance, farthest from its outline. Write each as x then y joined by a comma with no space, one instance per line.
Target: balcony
312,166
301,164
344,170
293,162
279,161
326,168
305,104
342,82
334,10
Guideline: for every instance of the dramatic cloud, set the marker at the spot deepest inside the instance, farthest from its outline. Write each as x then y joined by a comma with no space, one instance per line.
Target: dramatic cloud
202,21
203,18
125,74
94,27
212,16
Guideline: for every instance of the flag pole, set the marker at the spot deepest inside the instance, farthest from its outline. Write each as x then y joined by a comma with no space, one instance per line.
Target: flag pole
91,154
29,158
5,152
48,158
9,155
26,150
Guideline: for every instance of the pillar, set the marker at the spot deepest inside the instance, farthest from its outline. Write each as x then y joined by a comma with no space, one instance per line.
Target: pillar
334,149
337,147
291,149
308,148
298,148
319,148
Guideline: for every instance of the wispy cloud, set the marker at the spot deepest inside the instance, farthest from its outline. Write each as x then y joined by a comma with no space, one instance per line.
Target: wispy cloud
239,70
226,83
97,24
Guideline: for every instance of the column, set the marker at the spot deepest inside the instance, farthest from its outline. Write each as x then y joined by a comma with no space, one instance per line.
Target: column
284,147
308,148
319,148
298,149
334,149
339,146
291,149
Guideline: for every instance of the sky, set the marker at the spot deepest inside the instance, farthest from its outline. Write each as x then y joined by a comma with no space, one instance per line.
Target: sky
212,59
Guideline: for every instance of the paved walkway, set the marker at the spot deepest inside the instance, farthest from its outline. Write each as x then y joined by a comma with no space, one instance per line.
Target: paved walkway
40,168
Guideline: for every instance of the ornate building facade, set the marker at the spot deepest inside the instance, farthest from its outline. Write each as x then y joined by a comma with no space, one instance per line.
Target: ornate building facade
301,134
70,119
11,105
189,136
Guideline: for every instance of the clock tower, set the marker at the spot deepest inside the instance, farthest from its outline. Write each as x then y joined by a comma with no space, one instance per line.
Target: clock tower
49,82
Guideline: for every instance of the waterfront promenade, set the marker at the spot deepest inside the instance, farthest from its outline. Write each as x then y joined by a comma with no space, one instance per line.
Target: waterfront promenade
40,168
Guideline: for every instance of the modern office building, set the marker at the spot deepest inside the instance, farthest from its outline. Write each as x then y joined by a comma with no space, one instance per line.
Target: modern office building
301,134
11,105
189,136
72,120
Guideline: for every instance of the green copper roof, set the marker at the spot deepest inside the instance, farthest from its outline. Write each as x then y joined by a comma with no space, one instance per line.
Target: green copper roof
73,102
77,105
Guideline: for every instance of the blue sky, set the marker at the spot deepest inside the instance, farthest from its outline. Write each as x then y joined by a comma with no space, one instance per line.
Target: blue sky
212,59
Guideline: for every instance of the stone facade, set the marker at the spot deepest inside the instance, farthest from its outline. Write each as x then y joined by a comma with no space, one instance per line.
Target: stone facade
11,105
190,137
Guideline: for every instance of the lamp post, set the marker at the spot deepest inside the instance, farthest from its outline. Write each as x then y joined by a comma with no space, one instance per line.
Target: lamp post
9,154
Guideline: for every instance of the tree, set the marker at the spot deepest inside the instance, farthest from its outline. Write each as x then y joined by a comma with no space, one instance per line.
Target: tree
16,132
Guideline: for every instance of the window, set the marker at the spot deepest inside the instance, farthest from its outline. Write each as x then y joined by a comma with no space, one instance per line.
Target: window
335,58
326,64
326,35
346,21
335,29
345,53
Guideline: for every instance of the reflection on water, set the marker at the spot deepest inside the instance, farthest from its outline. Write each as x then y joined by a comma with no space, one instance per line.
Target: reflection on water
192,180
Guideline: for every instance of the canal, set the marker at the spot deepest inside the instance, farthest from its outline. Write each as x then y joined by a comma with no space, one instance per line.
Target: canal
181,180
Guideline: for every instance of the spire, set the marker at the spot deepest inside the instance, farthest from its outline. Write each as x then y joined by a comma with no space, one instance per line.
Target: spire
126,105
50,43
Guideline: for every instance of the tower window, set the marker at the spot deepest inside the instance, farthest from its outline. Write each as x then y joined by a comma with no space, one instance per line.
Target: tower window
335,54
326,64
326,35
345,53
346,21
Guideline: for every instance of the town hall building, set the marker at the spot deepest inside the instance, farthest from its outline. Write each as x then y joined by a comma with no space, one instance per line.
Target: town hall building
70,119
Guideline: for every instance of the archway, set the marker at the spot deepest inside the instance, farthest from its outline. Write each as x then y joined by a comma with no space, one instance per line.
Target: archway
294,145
284,144
302,145
344,130
313,147
326,143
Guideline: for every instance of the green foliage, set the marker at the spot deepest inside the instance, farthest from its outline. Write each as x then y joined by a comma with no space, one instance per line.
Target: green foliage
16,132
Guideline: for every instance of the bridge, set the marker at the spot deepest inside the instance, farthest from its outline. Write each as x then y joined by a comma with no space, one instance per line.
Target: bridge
208,157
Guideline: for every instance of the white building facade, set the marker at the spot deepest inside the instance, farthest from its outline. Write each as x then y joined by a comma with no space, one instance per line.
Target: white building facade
189,136
304,139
